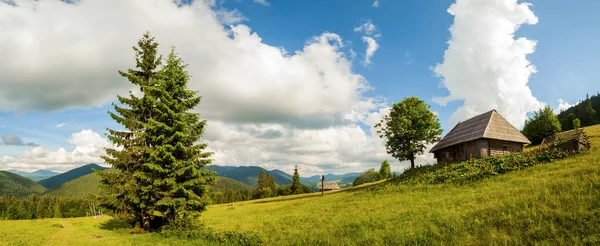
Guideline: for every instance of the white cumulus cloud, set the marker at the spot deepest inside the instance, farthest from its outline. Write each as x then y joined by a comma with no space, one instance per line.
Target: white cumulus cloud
485,66
89,146
265,105
370,31
372,46
562,105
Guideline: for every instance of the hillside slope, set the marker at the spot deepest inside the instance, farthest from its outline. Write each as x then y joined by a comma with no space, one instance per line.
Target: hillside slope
550,204
554,203
16,185
62,178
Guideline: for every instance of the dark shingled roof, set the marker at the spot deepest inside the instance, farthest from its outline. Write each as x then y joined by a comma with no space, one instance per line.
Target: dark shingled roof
490,125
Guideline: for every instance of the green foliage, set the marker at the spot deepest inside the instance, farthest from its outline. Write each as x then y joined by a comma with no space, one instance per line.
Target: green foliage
587,114
295,186
40,207
385,171
586,111
15,185
476,169
160,179
542,124
408,127
367,177
576,123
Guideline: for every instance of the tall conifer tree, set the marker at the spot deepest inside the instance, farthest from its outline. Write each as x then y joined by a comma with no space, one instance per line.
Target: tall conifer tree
158,157
175,162
124,188
295,187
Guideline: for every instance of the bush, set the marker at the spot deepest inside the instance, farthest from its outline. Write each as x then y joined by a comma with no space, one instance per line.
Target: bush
366,177
542,124
476,169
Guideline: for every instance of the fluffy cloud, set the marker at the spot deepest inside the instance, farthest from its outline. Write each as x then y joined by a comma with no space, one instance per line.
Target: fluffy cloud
241,78
562,105
370,31
265,106
263,2
14,140
375,4
484,64
372,46
366,27
89,146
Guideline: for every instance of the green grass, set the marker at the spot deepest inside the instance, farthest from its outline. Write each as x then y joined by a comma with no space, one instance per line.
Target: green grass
554,203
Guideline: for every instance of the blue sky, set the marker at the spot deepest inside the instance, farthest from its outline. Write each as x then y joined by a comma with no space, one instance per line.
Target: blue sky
411,36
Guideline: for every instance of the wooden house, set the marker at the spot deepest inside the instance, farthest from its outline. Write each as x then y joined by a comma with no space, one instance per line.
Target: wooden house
484,135
567,140
329,186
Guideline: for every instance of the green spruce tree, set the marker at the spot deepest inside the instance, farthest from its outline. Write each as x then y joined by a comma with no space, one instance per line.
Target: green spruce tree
385,171
295,187
179,186
129,189
158,157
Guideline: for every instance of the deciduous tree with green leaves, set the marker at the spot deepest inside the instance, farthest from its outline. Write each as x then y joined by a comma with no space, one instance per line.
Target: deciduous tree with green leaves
408,128
543,123
576,123
158,157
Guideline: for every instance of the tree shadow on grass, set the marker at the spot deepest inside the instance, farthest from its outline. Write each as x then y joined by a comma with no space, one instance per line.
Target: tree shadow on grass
115,224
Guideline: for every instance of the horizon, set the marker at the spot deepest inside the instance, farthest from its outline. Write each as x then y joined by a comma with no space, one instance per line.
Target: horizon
286,83
108,167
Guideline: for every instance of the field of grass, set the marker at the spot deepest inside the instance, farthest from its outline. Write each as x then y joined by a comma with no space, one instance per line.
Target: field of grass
555,203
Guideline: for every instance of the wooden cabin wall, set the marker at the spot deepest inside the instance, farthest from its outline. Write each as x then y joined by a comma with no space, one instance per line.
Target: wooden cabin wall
502,147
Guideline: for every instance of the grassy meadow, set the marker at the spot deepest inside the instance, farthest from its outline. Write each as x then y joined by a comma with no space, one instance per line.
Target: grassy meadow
554,203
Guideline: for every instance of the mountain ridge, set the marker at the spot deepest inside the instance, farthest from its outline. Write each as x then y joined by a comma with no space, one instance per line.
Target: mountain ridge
58,180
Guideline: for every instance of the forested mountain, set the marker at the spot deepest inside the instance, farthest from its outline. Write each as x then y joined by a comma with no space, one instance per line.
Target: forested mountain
79,187
88,184
249,174
37,175
60,179
586,111
16,185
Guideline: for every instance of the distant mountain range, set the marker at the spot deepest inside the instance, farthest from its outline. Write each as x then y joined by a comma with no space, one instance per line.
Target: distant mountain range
249,175
82,181
35,176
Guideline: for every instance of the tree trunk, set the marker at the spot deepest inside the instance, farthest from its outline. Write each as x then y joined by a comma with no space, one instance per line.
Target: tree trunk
412,162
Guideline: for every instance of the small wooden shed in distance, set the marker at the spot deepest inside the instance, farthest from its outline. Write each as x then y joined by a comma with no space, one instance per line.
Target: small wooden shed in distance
484,135
329,186
567,140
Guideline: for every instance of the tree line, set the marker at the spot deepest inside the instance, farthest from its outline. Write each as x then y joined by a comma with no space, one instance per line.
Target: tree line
40,207
544,123
265,187
585,112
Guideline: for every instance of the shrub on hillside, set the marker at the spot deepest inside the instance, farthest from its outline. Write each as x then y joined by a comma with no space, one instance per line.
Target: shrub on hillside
542,124
366,177
476,169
